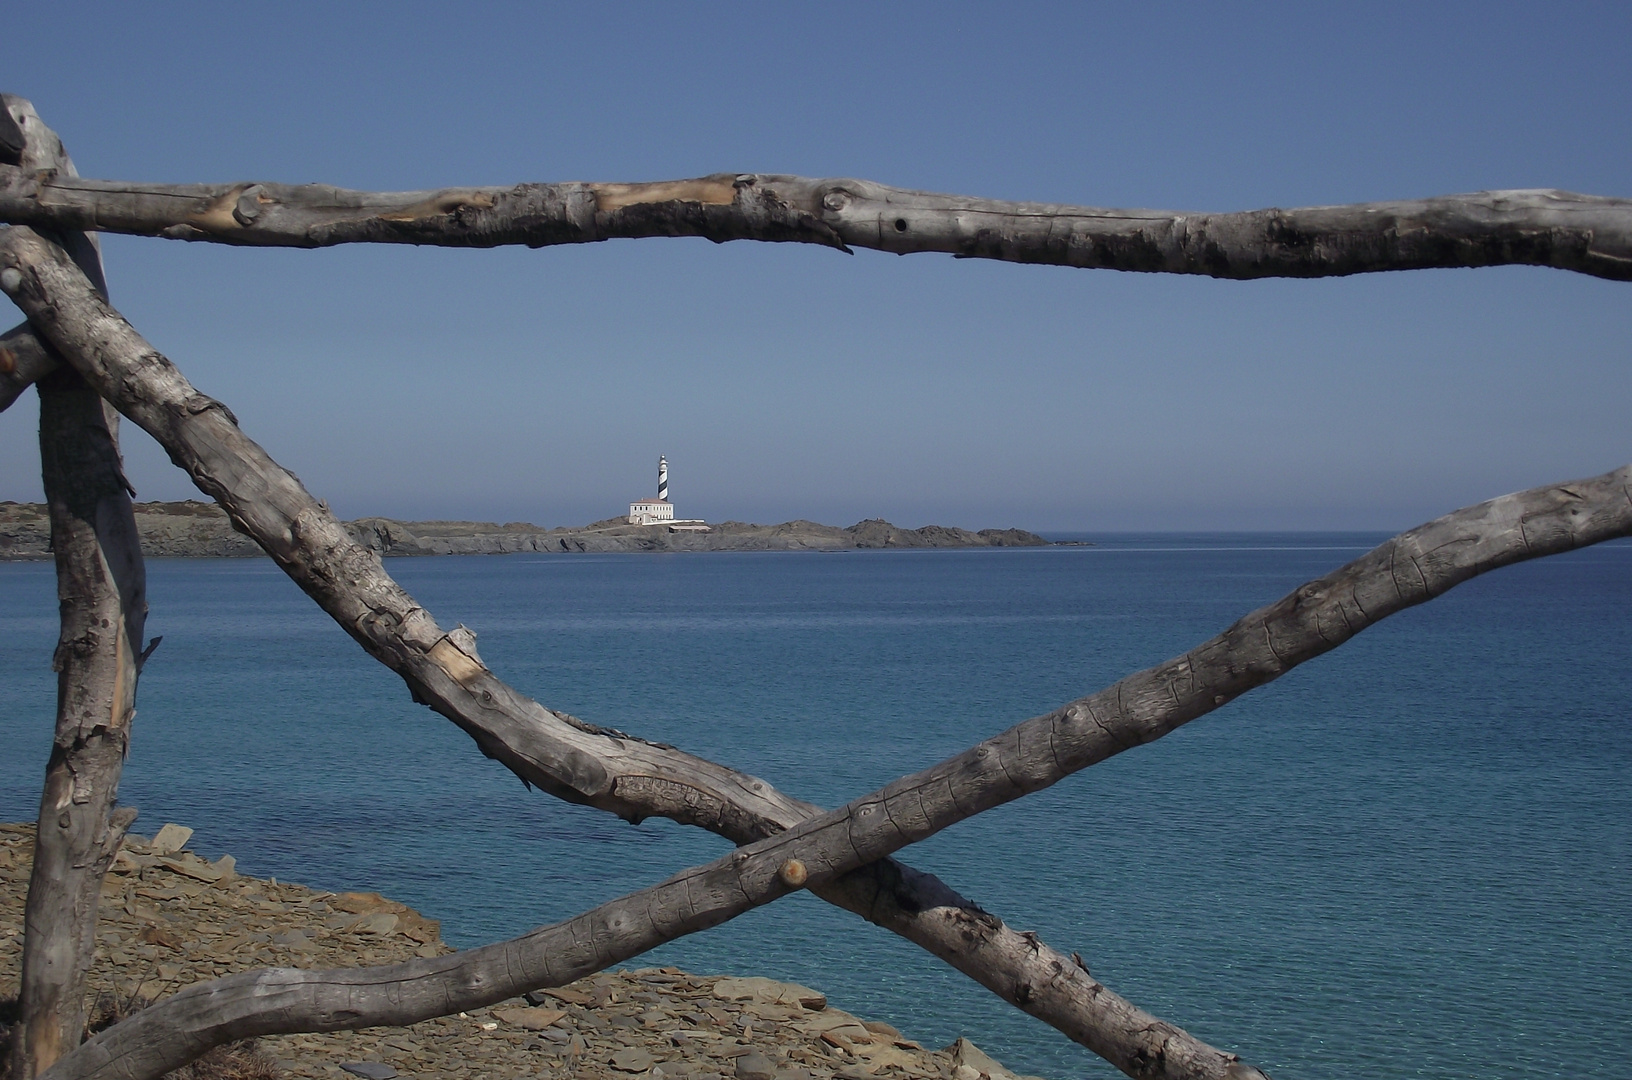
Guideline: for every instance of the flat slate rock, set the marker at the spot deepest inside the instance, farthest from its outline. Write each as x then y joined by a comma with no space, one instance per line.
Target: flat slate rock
533,1019
172,837
755,1066
369,1070
769,991
634,1059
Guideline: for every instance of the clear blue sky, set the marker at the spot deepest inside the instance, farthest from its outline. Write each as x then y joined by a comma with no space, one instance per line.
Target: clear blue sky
788,382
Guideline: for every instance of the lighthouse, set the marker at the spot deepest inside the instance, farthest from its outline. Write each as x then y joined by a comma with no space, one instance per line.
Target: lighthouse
658,511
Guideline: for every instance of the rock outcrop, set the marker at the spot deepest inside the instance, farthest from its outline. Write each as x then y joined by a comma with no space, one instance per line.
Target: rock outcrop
200,529
194,529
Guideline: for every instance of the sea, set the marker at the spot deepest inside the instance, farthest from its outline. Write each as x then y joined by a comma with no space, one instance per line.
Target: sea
1411,857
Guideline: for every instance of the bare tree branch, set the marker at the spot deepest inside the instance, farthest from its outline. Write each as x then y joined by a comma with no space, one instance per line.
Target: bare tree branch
101,589
573,760
1585,233
1408,570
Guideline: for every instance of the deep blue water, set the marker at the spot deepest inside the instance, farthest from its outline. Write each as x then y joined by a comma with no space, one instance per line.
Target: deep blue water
1411,857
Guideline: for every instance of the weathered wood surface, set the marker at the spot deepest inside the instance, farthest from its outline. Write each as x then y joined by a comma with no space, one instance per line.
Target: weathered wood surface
101,597
1410,569
1538,227
566,757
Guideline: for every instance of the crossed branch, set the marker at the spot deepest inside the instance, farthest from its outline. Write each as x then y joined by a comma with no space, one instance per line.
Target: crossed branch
1586,233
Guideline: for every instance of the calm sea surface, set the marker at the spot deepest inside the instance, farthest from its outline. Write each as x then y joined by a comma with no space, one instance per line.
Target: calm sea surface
1411,857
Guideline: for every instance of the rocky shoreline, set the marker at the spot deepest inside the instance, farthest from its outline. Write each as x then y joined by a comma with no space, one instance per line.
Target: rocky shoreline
170,918
201,530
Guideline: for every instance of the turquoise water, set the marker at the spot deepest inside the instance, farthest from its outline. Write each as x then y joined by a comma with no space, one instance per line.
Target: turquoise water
1411,857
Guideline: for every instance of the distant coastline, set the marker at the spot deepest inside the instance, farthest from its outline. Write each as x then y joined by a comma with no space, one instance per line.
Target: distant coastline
201,530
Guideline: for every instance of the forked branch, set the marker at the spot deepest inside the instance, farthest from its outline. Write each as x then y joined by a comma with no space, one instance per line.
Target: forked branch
101,592
1585,233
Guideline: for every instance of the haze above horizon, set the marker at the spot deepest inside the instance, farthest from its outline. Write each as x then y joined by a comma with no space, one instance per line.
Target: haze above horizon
794,382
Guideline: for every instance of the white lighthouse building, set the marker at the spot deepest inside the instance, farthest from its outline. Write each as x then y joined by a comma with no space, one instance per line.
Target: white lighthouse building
660,511
656,511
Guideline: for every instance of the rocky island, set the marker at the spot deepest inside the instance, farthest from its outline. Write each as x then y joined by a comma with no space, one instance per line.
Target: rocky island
199,529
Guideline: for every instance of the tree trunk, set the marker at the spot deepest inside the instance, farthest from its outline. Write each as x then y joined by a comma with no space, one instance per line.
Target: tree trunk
1585,233
101,594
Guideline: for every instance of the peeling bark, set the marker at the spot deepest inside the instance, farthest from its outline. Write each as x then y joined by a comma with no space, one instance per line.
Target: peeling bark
1460,546
1536,227
562,755
101,595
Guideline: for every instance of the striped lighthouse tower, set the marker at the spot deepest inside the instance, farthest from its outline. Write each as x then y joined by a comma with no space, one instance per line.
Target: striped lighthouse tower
656,511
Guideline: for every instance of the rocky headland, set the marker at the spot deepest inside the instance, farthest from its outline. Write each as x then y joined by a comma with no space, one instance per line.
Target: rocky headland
170,918
201,529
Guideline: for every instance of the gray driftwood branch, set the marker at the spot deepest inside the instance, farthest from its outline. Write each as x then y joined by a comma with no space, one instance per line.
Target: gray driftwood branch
101,592
1584,233
566,757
